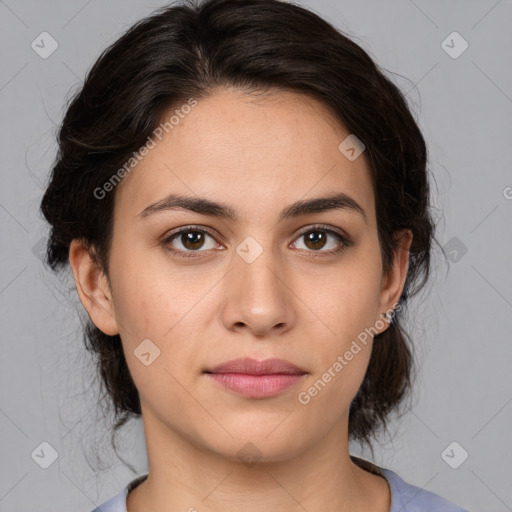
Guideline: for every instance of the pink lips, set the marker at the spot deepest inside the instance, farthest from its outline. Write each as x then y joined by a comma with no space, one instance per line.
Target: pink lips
256,379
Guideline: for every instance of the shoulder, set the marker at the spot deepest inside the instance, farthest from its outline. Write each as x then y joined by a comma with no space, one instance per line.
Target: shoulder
115,504
118,502
406,497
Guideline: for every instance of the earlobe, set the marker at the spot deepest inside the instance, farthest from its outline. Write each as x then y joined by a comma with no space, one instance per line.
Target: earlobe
92,288
393,283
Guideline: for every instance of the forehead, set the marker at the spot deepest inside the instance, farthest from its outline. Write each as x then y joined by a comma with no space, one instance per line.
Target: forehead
251,151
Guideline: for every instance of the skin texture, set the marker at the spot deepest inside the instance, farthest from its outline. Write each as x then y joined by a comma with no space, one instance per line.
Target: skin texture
256,155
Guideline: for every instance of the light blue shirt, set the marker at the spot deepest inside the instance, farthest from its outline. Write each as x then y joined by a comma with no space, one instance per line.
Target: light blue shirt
404,497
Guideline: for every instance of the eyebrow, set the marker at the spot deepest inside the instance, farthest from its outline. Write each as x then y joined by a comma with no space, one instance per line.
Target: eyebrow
339,201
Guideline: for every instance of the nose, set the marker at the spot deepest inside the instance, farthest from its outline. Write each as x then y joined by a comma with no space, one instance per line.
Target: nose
258,295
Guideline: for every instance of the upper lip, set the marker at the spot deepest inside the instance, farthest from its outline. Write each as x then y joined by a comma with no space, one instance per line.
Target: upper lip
254,367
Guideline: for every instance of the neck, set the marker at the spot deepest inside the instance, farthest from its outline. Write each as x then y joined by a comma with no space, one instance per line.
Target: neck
183,475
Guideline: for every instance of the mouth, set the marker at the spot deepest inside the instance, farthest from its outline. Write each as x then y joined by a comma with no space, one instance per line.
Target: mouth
256,379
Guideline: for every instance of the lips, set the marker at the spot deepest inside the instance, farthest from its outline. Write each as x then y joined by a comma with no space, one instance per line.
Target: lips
253,367
256,379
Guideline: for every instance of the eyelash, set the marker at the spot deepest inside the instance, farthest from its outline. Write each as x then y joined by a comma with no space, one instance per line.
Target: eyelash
345,242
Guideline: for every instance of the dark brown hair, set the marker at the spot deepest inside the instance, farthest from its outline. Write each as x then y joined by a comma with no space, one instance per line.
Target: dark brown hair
190,50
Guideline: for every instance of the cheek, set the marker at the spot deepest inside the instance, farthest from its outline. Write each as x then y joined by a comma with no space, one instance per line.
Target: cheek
347,303
153,304
347,310
147,300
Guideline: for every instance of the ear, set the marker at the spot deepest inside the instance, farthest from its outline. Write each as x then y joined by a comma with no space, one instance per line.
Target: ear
393,282
92,287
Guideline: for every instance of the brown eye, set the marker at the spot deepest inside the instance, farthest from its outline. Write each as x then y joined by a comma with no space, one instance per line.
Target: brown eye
188,240
192,240
315,239
322,240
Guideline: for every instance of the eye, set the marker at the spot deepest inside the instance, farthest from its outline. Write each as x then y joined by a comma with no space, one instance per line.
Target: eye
316,238
191,239
188,240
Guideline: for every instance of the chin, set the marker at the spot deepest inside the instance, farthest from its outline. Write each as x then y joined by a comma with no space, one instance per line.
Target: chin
259,448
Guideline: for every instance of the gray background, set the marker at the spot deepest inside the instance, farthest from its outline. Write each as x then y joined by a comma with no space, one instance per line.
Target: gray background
461,326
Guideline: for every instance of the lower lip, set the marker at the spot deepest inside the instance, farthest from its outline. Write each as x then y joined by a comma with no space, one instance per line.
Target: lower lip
255,386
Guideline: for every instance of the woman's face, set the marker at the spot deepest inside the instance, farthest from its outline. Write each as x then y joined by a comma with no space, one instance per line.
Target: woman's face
271,281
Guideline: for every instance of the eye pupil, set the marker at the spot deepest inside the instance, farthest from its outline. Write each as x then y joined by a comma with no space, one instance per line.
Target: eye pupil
316,238
190,239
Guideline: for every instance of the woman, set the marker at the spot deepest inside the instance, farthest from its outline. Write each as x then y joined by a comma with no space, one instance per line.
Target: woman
243,199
